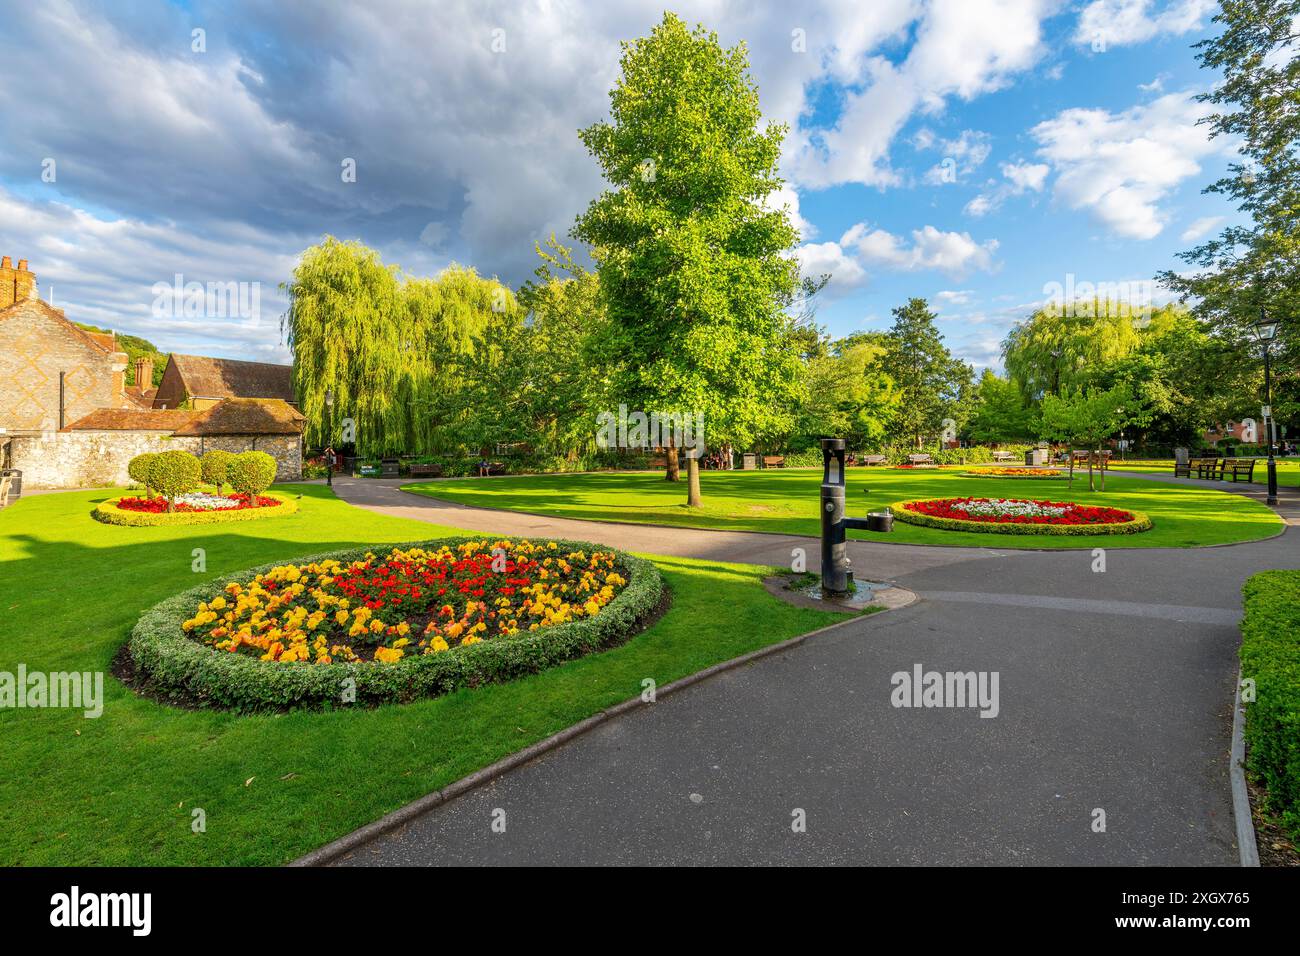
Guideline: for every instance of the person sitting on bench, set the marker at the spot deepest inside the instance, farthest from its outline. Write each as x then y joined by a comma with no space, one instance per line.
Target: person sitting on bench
484,468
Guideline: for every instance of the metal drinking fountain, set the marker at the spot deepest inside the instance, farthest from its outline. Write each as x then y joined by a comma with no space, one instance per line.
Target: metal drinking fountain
837,578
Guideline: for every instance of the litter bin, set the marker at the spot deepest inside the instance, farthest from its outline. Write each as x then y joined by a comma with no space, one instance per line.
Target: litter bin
749,462
1036,456
15,484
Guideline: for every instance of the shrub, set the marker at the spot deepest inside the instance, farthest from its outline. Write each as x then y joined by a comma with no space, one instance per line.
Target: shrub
174,473
215,463
172,665
138,468
251,472
110,513
1270,656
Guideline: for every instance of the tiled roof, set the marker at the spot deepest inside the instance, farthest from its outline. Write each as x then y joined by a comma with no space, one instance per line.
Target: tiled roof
206,377
246,416
101,340
140,396
131,419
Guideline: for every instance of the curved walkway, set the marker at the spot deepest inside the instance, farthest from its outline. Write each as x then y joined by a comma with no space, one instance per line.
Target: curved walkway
1114,693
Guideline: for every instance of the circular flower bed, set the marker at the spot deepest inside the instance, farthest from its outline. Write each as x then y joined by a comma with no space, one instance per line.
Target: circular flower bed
1042,474
410,621
1019,516
195,508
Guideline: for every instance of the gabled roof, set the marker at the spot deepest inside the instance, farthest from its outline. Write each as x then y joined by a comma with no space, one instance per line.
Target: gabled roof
245,416
131,419
104,341
205,377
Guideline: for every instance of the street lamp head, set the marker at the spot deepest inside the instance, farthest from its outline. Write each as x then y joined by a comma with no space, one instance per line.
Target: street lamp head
1265,328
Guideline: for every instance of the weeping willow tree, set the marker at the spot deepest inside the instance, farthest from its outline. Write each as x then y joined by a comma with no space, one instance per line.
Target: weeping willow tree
385,344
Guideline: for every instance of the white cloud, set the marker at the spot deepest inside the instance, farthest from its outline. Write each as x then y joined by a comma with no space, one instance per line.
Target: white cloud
1018,178
1119,166
954,296
952,253
961,155
788,196
963,48
1107,23
1200,227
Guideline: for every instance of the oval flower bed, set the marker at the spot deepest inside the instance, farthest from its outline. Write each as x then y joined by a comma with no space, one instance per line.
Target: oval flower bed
195,508
391,624
1019,516
1048,474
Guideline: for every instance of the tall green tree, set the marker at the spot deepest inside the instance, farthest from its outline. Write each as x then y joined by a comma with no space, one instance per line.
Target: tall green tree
847,394
384,344
1255,264
1000,413
934,386
1055,350
696,271
1087,418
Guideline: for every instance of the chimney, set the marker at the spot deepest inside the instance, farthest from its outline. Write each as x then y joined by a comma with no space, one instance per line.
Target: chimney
15,284
143,372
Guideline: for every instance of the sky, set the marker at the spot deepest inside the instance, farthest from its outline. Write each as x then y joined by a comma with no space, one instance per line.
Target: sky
981,154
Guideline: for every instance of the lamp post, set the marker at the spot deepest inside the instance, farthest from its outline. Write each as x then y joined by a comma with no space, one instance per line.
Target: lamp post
1266,332
329,437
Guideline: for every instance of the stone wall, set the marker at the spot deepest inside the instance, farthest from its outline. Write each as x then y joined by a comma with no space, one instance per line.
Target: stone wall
85,459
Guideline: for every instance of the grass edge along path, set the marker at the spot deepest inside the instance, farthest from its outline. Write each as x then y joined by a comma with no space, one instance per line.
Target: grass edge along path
785,501
123,789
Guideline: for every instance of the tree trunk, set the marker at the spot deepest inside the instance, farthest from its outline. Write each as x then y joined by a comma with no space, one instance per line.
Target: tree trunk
171,505
673,468
693,481
1102,461
1071,454
1091,485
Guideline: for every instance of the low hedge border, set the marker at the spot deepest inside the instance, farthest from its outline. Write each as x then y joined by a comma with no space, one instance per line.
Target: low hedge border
109,513
1270,656
171,666
1140,522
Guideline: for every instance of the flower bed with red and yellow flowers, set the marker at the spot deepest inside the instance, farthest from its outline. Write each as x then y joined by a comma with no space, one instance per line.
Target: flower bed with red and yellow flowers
1047,474
136,512
391,625
1019,516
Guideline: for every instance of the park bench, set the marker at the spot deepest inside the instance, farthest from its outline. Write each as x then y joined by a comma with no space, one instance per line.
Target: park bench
773,461
874,459
4,490
660,462
1004,456
1236,467
426,470
1102,461
1205,467
921,459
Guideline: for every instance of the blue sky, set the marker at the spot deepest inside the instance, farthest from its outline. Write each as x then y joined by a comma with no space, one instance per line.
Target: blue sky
967,151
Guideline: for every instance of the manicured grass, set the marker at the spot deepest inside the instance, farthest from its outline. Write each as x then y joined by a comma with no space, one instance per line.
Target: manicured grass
120,789
786,501
1288,470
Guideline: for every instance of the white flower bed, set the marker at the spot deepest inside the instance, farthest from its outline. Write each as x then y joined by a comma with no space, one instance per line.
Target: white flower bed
996,507
202,501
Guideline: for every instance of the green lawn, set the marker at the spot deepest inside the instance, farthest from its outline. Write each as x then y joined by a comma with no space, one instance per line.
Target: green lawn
120,789
1288,470
786,501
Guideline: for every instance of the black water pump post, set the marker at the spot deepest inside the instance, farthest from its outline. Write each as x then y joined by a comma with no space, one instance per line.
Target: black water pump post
837,578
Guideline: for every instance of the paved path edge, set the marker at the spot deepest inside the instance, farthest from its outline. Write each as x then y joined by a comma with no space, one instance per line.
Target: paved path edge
1240,793
326,854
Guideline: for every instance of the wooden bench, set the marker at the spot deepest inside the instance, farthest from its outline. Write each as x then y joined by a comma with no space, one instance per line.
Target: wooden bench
1004,456
1237,467
874,459
773,461
921,459
1204,467
426,470
1100,462
5,482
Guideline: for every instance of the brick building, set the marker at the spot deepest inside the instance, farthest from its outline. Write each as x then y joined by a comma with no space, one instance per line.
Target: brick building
51,371
199,382
68,420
